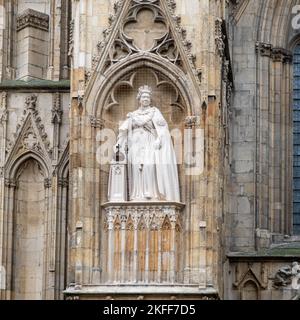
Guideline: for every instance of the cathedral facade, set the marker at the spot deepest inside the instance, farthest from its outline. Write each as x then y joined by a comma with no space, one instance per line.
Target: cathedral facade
218,81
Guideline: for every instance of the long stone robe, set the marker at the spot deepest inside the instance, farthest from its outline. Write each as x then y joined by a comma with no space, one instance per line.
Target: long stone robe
152,170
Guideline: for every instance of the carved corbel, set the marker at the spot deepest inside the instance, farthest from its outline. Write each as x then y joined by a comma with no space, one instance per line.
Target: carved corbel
10,183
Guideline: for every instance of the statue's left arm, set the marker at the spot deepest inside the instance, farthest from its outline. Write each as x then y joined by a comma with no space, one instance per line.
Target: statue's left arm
161,125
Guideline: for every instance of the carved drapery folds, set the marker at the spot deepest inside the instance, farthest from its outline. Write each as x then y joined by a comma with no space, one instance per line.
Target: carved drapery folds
143,242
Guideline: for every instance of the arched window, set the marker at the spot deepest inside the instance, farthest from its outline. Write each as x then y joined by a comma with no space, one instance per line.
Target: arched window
296,138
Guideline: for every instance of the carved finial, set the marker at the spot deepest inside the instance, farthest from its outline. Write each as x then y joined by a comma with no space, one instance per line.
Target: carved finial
30,102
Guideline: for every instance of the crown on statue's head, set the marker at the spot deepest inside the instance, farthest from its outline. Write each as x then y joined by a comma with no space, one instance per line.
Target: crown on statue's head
144,89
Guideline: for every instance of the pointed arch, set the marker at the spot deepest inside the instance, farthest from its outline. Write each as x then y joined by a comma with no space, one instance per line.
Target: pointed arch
250,290
13,168
30,221
121,50
112,76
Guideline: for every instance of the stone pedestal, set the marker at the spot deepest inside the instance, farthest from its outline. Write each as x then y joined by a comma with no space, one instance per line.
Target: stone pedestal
117,190
143,242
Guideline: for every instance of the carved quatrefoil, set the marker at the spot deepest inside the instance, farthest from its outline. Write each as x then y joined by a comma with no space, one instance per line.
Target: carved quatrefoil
145,29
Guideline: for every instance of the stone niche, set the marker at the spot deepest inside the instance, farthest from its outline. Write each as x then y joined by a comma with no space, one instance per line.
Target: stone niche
32,45
121,100
142,242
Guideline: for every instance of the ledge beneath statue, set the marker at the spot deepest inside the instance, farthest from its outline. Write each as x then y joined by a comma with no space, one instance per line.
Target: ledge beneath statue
144,204
140,292
149,214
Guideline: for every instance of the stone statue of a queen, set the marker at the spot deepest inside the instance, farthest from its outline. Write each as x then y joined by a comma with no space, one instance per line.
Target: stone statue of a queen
151,161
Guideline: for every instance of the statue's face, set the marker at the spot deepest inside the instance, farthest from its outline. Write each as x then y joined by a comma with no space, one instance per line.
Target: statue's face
145,100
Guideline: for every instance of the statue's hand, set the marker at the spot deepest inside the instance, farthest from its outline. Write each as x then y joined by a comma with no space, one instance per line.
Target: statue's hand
157,144
116,148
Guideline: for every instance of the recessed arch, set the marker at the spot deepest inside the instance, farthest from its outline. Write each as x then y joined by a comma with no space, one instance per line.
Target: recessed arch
13,168
29,232
274,24
250,290
147,60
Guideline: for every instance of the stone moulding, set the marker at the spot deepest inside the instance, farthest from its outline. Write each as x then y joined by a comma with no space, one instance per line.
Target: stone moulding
34,19
151,212
182,290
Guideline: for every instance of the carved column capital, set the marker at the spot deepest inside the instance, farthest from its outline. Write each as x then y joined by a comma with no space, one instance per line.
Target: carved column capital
10,183
281,55
96,122
63,182
264,49
192,121
277,54
47,183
